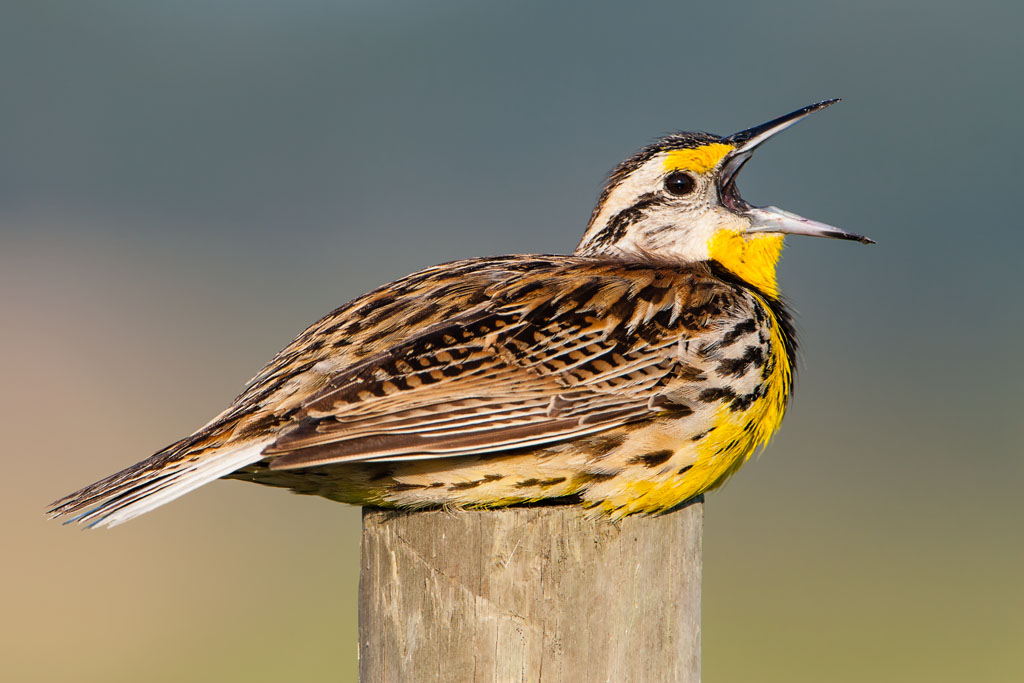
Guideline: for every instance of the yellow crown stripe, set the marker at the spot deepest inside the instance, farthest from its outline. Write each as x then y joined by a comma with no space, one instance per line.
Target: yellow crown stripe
699,160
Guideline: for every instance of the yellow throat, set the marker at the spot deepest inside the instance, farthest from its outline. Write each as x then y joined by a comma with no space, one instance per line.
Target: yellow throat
752,258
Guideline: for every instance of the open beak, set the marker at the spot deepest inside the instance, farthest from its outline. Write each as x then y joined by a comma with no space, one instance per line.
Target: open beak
771,218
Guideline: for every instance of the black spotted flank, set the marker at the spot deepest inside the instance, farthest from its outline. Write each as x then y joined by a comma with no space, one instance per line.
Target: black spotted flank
399,487
767,306
652,459
737,367
716,394
744,401
701,435
666,403
595,477
463,485
739,329
602,446
528,483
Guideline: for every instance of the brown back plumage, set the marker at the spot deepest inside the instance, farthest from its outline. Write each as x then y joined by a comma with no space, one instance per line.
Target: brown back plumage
483,355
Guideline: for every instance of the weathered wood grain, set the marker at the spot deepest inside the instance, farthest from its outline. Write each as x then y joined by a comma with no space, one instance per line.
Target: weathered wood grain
529,594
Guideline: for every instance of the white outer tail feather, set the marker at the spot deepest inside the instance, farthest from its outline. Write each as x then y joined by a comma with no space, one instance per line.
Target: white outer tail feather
208,468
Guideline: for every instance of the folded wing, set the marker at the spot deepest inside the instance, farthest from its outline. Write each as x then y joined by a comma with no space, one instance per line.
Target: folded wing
533,368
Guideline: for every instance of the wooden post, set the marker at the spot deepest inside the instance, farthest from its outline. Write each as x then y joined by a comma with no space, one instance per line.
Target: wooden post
529,594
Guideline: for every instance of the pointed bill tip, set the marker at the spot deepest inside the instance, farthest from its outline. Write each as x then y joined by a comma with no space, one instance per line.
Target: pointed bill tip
826,103
773,219
747,140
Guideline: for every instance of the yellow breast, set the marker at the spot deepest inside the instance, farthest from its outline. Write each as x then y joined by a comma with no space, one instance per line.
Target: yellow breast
723,442
737,434
734,434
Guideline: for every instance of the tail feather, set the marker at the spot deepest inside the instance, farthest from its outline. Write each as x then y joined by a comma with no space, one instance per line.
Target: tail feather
152,483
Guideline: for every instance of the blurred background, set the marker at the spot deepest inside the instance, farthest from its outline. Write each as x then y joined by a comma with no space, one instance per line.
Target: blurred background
185,186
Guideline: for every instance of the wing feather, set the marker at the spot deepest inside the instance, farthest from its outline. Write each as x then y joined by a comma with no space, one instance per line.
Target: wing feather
477,356
532,368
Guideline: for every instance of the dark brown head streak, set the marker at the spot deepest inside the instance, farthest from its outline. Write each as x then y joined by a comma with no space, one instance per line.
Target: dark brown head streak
665,144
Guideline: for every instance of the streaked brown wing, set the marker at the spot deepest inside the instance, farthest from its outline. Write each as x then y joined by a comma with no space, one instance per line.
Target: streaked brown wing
544,362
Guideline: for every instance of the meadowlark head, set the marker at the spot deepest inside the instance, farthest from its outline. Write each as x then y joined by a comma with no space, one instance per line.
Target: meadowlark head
677,199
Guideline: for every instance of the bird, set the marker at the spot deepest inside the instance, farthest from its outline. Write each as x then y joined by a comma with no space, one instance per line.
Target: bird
629,377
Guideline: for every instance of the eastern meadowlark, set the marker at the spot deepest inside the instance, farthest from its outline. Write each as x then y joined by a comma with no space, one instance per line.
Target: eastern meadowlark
631,376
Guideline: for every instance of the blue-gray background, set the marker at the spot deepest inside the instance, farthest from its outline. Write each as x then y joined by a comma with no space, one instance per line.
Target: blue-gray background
184,186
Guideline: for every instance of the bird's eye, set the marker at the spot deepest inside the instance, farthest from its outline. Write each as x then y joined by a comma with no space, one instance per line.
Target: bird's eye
680,184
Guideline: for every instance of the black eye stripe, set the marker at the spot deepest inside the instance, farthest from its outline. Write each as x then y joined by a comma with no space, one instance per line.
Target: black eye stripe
620,222
679,184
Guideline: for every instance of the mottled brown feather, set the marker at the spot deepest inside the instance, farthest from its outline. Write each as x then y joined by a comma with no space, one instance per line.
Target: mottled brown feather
485,355
564,349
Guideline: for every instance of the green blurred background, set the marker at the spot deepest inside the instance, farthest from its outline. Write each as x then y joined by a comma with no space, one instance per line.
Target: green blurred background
184,186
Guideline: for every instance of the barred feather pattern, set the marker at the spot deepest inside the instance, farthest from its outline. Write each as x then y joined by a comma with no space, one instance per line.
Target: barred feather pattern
632,385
